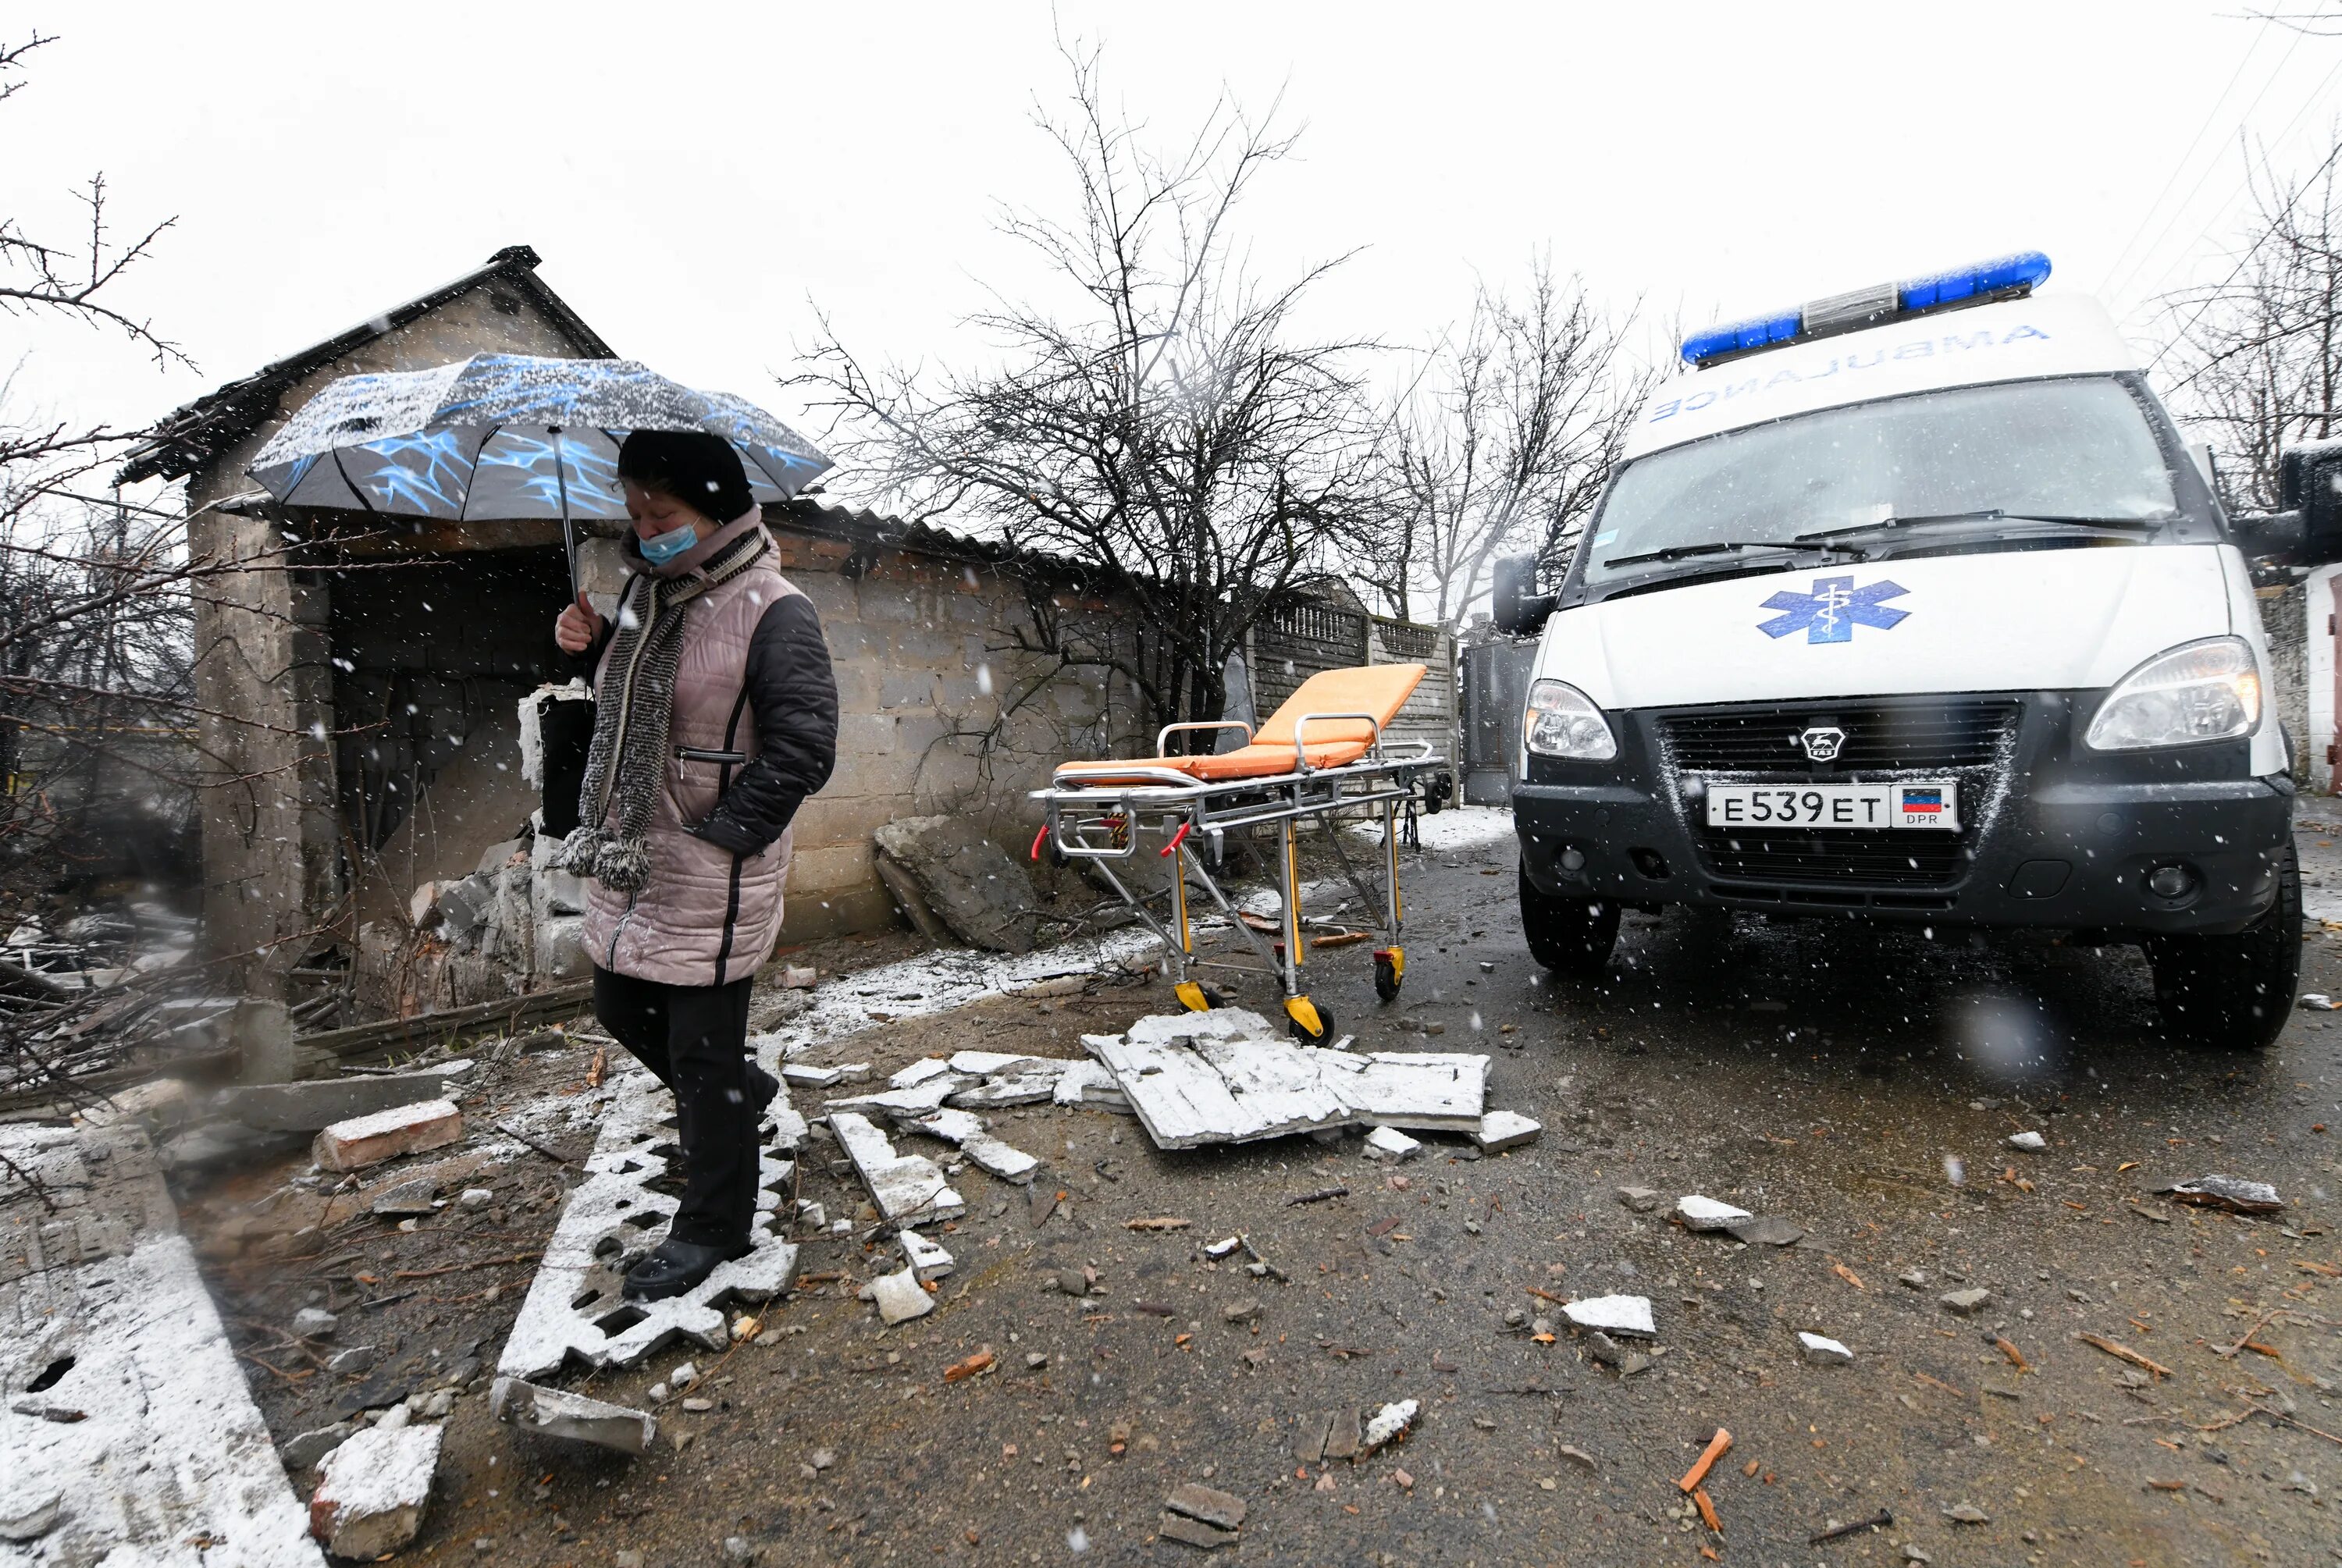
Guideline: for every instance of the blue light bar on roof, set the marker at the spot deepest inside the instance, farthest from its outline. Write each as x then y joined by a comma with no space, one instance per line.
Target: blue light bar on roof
2002,277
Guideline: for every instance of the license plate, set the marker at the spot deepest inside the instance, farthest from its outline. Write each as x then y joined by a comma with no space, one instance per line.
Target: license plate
1857,807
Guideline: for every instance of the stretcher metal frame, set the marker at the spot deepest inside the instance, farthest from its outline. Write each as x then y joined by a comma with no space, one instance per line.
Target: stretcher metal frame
1103,817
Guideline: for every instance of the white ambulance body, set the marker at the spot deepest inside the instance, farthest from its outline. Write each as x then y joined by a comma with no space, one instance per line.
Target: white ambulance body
1912,606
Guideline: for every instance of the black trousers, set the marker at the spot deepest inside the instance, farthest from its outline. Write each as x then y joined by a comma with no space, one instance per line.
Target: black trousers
696,1038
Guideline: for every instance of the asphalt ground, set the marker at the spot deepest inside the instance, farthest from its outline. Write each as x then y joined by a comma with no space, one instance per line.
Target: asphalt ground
1857,1083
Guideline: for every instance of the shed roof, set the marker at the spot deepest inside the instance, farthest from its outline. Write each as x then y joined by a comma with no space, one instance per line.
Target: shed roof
188,438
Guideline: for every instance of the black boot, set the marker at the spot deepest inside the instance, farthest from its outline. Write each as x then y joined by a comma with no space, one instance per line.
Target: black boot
674,1267
764,1088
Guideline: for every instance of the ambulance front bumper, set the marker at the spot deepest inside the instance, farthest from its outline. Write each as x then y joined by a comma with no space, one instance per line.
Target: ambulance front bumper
2052,834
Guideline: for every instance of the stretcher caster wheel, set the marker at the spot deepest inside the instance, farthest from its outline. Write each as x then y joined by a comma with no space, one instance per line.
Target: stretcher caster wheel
1198,998
1390,973
1306,1022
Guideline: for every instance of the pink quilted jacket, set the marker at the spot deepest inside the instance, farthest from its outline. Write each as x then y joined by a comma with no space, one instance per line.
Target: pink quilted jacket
709,915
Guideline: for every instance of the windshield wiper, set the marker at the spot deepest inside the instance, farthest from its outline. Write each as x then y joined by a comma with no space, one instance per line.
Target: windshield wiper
1718,546
1987,515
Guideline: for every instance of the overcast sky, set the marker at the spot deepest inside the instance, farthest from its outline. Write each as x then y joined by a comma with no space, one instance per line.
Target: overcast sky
699,177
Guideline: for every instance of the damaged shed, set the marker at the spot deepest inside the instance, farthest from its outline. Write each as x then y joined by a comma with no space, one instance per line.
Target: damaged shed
388,752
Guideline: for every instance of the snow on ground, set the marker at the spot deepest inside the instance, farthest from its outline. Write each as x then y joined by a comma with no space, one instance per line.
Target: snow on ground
941,981
1456,828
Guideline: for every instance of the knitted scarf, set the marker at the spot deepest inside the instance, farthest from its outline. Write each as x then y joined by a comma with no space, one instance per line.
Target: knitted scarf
633,712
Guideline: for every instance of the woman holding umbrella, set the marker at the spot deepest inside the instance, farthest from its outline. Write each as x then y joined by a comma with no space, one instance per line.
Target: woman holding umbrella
716,716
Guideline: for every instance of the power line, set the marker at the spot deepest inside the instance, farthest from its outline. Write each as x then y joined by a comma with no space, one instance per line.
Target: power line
2252,48
2181,210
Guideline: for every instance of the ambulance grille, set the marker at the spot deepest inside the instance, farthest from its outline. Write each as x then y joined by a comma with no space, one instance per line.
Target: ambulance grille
1889,859
1927,734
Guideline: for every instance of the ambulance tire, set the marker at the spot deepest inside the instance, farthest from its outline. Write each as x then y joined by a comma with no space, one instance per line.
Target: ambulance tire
1571,936
2233,993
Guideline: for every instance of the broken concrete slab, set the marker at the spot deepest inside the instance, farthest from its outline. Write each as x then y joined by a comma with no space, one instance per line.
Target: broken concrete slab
406,1200
995,1064
899,1297
612,1218
805,1077
1309,1435
1090,1082
1344,1434
100,1297
964,1131
919,1071
1207,1504
1703,1213
1193,1532
315,1322
920,1100
373,1490
571,1417
1640,1200
302,1452
307,1106
1014,1089
903,1186
946,873
1223,1076
1767,1232
1502,1130
928,1260
2031,1143
1391,1145
1822,1350
369,1140
1967,1303
1613,1315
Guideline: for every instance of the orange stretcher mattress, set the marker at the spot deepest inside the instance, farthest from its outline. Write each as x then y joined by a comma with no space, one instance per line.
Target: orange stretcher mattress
1377,689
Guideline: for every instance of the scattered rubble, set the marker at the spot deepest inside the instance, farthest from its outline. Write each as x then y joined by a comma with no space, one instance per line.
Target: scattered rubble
1767,1230
1390,1424
307,1106
315,1322
571,1417
1967,1303
903,1186
1502,1130
373,1489
407,1129
1640,1200
1616,1314
899,1297
950,881
1391,1145
1701,1214
927,1259
1823,1352
1201,1516
964,1131
2234,1194
2031,1143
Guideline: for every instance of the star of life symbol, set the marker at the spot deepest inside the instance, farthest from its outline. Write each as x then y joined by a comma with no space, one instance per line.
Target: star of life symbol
1832,610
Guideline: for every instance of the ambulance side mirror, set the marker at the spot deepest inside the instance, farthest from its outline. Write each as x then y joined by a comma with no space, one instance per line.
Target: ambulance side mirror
2309,487
1519,610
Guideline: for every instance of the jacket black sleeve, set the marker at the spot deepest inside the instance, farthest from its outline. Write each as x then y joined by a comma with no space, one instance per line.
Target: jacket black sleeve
793,692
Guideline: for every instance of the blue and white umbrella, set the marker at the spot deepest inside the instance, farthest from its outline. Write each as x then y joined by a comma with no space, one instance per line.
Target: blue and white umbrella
508,436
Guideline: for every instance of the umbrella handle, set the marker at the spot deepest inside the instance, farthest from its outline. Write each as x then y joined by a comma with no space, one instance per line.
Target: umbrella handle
568,525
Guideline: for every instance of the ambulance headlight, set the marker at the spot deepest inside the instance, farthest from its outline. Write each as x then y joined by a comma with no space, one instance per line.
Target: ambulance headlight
1563,722
2203,691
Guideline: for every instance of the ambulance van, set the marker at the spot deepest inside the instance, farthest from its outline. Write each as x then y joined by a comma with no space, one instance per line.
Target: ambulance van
1911,605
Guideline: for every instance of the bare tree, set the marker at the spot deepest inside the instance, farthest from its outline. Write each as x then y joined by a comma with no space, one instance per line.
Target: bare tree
1169,429
1503,443
2258,354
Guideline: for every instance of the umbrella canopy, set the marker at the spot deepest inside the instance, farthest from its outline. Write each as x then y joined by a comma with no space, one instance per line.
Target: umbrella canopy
508,436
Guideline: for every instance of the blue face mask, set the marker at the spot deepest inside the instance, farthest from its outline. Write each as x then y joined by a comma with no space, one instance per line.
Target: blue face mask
660,548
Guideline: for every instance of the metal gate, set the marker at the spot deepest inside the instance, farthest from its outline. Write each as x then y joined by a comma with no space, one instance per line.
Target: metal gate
1496,687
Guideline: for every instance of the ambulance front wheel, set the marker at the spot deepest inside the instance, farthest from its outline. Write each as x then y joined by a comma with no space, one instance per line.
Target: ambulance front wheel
1571,936
2233,993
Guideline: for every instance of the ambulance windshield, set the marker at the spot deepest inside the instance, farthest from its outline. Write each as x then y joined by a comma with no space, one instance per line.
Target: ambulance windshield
2072,452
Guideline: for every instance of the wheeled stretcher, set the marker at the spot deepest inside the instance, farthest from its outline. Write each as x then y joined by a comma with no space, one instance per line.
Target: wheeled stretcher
1322,755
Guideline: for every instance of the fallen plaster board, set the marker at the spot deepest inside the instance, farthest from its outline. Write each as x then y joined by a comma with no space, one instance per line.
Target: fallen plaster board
1190,1091
615,1217
1012,1089
903,1186
172,1450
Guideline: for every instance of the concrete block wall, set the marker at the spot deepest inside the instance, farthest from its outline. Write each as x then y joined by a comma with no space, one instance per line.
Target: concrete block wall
2285,620
924,654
